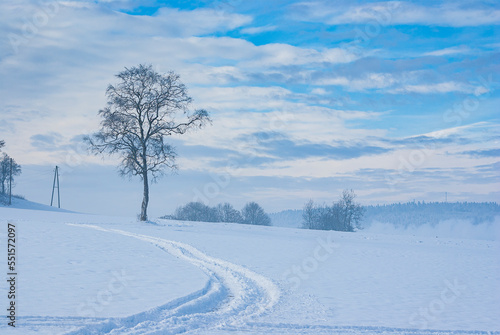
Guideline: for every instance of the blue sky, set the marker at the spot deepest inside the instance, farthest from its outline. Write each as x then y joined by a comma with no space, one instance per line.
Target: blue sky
397,100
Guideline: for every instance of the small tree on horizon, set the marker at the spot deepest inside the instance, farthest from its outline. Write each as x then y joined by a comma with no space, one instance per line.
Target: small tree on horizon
142,110
343,215
254,214
351,212
309,215
227,213
196,211
5,173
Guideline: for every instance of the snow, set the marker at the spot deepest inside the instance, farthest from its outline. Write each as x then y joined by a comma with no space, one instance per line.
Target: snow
89,274
20,203
458,229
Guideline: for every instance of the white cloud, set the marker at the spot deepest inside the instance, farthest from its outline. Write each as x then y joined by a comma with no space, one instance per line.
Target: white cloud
278,54
242,97
449,51
258,30
31,25
319,91
404,82
398,12
493,45
200,21
437,88
475,131
404,161
335,81
369,81
373,80
212,75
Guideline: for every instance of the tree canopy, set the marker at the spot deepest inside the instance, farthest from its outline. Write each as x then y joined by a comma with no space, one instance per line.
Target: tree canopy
254,214
343,215
8,170
143,108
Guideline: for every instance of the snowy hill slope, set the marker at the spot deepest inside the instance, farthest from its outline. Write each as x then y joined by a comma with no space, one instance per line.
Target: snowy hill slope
20,203
87,274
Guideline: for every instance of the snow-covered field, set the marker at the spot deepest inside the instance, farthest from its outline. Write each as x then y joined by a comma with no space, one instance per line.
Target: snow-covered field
87,274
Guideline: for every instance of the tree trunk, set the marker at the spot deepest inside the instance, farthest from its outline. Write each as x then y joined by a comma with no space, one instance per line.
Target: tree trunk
145,199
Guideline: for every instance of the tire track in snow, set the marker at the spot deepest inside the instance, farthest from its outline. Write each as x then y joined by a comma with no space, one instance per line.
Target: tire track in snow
232,297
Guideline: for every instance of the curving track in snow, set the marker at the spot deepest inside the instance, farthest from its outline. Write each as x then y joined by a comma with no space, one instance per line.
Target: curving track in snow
232,297
230,303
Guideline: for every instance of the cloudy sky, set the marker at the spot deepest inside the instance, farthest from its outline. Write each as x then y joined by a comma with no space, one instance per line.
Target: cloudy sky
397,100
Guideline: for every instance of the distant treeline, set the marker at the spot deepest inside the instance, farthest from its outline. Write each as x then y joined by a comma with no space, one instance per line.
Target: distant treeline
420,213
408,214
252,213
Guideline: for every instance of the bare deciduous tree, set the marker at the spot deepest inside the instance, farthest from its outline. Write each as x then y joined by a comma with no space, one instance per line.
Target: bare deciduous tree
142,110
309,215
254,214
343,215
351,212
227,213
196,211
5,172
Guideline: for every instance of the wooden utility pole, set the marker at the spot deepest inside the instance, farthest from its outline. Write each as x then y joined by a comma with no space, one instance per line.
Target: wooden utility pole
10,183
55,185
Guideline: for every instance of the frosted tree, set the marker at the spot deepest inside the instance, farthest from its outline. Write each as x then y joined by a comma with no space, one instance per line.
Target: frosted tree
342,215
254,214
309,215
142,110
5,172
227,213
350,212
196,211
